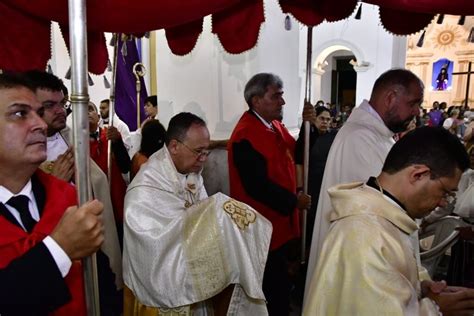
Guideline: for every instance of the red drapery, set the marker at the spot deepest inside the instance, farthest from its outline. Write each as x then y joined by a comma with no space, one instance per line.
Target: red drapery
25,24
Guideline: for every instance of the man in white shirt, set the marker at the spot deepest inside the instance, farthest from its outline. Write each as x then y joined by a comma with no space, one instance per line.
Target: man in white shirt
41,237
117,122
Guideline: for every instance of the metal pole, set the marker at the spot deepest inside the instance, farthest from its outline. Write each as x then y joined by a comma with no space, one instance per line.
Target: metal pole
307,98
468,84
112,105
139,70
80,100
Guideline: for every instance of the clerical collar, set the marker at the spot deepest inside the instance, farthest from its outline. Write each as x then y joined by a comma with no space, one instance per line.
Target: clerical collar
373,183
269,125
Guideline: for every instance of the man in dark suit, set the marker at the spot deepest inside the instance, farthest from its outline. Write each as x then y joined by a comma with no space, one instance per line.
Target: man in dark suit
42,233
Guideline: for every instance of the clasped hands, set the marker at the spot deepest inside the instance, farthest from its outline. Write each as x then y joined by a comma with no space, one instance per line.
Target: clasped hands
452,300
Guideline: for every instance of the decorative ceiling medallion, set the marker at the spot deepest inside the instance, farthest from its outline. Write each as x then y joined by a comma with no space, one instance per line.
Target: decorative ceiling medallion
446,38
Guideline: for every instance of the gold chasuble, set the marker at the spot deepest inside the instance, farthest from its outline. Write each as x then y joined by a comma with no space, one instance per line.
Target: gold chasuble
368,263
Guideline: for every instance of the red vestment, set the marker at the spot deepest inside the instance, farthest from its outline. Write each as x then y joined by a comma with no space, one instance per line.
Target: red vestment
14,241
278,147
99,150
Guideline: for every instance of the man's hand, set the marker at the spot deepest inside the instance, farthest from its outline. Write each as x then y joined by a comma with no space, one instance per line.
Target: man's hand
80,232
450,299
309,114
303,201
63,167
113,134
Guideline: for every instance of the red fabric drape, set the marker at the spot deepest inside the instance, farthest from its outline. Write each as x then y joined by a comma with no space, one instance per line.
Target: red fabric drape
312,12
25,24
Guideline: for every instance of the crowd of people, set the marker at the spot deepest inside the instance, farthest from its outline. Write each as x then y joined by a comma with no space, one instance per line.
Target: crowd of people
164,247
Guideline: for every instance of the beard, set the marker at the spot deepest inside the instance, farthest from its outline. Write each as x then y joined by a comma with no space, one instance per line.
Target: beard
397,126
280,116
395,123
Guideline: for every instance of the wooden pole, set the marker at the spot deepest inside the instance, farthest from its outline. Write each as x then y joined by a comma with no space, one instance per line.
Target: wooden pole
309,49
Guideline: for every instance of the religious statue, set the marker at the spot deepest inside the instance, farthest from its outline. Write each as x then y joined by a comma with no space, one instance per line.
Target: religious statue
442,79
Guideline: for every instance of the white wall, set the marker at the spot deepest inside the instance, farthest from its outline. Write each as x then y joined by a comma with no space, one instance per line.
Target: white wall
210,82
369,42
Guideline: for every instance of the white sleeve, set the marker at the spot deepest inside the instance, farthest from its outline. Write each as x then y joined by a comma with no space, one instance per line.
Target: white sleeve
60,257
447,123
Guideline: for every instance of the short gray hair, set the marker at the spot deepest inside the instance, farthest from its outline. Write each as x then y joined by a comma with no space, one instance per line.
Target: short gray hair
258,84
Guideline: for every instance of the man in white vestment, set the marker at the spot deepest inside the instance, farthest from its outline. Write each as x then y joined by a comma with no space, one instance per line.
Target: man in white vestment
185,253
60,160
368,265
364,141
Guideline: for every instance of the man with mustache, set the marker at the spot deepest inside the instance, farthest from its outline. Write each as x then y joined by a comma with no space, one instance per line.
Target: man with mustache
262,174
364,141
41,237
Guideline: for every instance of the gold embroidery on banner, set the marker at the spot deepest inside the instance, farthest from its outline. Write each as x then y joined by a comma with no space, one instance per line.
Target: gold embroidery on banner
240,213
177,311
205,253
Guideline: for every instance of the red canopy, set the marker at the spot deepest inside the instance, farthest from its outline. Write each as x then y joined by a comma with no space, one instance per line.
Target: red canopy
26,24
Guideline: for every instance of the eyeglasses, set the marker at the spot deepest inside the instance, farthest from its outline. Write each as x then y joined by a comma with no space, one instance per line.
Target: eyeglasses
199,153
449,195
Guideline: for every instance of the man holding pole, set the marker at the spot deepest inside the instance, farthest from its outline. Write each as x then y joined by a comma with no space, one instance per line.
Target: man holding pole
262,174
41,237
60,160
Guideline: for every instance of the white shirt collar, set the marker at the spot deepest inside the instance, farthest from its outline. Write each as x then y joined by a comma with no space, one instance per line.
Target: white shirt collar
56,145
269,125
6,194
27,190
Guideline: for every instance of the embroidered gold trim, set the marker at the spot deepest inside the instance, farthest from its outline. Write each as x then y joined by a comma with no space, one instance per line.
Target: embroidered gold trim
240,213
177,311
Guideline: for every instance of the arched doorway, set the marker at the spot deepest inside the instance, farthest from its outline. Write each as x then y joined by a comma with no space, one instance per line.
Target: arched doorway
335,72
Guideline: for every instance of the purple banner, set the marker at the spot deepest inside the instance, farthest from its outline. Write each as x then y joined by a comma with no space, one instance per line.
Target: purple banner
125,86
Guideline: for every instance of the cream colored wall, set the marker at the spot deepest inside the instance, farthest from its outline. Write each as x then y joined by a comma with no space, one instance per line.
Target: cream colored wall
446,40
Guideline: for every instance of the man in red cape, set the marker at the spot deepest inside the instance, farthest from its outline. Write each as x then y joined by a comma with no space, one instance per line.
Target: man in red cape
262,174
42,233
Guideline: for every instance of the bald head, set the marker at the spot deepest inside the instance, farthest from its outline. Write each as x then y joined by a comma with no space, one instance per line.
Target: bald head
396,96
